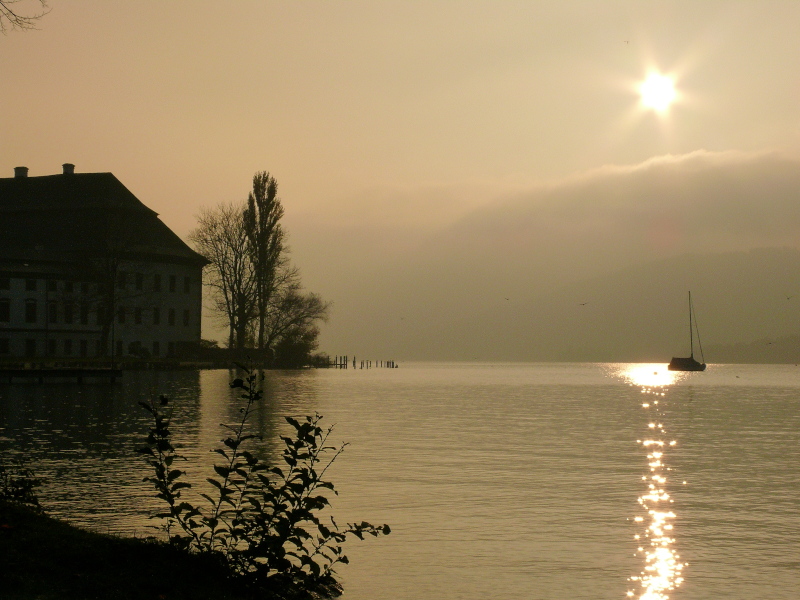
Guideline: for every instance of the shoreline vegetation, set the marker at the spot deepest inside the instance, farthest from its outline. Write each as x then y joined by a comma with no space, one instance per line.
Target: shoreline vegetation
47,559
260,533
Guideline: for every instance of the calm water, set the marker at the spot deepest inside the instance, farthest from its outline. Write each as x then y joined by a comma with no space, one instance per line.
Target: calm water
527,481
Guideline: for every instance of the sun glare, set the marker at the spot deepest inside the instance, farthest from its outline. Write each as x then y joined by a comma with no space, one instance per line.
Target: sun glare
657,92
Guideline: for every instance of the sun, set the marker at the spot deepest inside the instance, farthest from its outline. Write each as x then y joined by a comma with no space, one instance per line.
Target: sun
658,92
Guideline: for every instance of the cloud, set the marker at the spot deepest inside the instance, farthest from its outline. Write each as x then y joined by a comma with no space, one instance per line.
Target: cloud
523,245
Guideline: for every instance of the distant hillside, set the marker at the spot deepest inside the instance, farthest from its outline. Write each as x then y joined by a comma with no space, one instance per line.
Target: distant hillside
640,314
764,351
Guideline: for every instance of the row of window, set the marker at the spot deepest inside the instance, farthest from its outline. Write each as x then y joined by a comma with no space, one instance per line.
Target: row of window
136,313
81,348
124,279
71,313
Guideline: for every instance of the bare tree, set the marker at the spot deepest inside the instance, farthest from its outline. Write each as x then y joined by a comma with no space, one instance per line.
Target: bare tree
255,287
221,238
293,311
265,236
13,17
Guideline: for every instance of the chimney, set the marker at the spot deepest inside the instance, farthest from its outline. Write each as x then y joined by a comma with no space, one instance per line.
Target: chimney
20,171
69,169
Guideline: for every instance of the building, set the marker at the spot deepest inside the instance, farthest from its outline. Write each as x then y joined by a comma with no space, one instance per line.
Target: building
87,270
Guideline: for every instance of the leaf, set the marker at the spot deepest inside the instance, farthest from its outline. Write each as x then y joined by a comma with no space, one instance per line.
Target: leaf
223,472
174,474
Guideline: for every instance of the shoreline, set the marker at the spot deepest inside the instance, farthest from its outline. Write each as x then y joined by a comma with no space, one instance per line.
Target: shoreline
48,559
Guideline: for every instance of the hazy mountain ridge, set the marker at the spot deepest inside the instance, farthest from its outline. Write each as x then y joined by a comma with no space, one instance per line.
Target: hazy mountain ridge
593,267
763,351
639,313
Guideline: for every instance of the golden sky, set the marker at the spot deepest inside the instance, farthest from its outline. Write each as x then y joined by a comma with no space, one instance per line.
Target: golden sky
388,124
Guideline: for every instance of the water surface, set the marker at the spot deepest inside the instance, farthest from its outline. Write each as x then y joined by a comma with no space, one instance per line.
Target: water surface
499,480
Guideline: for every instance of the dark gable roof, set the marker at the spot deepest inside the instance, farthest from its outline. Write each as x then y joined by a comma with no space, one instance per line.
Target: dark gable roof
80,215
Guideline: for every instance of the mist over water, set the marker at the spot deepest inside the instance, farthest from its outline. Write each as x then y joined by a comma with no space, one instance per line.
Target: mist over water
498,480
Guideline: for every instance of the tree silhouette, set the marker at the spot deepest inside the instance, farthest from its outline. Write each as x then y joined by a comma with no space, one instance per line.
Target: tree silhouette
265,236
221,238
12,17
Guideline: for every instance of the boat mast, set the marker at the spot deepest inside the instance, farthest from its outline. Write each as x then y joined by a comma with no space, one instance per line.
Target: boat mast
691,336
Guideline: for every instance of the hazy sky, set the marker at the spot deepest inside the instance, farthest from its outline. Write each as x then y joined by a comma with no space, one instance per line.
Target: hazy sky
397,129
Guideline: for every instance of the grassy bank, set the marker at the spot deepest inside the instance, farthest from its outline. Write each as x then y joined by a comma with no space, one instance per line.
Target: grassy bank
42,558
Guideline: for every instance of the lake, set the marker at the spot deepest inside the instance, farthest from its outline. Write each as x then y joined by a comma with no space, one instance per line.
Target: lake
512,481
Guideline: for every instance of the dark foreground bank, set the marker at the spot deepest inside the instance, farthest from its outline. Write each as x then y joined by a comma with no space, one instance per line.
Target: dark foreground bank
45,559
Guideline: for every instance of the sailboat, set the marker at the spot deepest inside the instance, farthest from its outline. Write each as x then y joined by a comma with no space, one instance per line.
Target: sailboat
689,363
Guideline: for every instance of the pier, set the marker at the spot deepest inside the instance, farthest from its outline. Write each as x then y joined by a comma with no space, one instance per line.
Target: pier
344,362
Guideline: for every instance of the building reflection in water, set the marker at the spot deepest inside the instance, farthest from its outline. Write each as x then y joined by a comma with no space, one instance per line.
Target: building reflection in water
662,569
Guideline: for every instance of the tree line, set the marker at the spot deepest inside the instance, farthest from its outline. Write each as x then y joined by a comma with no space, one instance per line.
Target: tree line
255,290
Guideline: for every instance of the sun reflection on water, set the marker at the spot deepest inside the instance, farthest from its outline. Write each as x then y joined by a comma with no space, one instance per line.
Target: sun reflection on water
662,570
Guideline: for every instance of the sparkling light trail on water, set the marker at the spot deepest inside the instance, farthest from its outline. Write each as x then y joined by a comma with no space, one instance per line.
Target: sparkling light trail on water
663,569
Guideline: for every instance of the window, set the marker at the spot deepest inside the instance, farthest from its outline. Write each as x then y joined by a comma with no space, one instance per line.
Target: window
30,311
156,316
157,282
156,349
139,281
5,346
30,285
51,347
52,312
84,351
170,348
186,317
30,347
120,347
186,285
84,314
172,316
122,277
84,288
98,348
172,283
67,347
68,287
101,315
68,309
5,283
137,315
121,315
5,311
52,285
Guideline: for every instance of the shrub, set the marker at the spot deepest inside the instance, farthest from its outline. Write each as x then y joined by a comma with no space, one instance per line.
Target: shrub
17,484
262,521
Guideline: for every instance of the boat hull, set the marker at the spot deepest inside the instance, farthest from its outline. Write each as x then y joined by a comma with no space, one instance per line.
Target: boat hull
686,364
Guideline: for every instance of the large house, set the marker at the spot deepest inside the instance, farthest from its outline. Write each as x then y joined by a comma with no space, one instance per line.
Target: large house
87,270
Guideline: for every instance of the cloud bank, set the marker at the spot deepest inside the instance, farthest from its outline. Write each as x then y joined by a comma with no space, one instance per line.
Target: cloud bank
444,294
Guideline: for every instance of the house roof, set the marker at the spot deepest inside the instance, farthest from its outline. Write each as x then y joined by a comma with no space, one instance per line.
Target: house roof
81,215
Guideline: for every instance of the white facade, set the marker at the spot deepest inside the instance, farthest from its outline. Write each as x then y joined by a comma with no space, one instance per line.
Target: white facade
48,314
